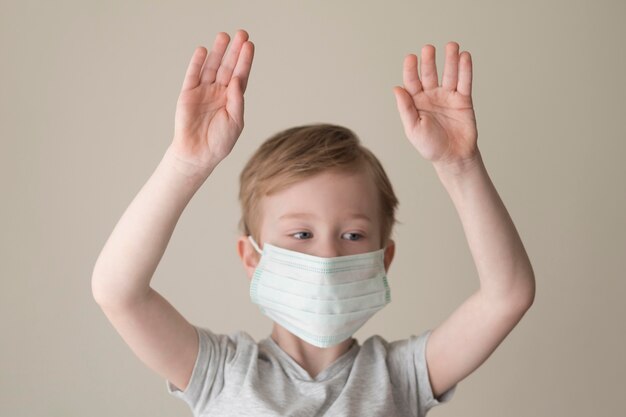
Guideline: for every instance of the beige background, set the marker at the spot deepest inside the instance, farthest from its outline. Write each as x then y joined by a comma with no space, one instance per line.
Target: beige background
87,109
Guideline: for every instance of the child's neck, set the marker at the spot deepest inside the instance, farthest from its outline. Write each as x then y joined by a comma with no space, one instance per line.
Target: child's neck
311,358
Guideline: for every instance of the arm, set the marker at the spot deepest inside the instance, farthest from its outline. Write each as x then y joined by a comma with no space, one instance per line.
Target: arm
439,121
209,119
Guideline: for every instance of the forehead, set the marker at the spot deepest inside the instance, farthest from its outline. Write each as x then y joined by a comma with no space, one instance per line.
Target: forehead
330,194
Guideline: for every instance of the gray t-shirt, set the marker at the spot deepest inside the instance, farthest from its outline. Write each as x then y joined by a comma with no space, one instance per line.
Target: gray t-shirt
235,376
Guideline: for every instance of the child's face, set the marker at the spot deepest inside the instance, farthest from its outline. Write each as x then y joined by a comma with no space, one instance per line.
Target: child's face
333,213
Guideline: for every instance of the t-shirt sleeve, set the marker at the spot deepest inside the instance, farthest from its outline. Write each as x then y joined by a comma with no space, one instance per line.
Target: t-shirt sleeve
425,392
406,361
215,351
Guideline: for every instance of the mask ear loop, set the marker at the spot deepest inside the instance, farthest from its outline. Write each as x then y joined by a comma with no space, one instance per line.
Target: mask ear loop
256,247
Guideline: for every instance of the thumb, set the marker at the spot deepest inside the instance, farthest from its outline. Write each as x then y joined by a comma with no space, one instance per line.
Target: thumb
406,107
234,100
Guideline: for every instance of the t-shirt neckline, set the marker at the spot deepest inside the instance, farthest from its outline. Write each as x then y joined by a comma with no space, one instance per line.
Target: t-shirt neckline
327,373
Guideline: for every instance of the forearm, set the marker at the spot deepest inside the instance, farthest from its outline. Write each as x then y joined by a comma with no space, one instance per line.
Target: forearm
127,262
504,270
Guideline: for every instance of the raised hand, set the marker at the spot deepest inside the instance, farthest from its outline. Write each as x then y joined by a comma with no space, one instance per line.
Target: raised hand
439,120
209,111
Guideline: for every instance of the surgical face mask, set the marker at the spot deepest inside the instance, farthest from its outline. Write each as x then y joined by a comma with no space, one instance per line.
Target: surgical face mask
323,301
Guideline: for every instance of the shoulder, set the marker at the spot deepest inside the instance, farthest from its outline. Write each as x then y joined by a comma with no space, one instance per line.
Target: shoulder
227,346
400,356
237,336
408,346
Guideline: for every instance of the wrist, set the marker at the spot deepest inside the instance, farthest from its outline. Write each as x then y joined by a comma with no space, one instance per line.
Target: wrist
459,169
184,170
458,177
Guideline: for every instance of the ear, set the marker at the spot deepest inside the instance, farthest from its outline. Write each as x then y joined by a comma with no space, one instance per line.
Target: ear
389,252
249,256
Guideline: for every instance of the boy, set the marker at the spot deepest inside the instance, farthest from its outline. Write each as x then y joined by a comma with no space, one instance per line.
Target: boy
318,211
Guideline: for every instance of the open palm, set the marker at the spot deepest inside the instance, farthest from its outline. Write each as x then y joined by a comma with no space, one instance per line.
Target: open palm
209,111
439,120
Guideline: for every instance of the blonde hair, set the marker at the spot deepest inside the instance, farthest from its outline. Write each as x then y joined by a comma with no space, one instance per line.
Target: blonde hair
301,152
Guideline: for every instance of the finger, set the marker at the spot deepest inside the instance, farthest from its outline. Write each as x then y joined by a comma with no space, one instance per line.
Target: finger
410,77
406,107
234,101
242,69
429,68
215,57
192,76
465,74
225,71
451,67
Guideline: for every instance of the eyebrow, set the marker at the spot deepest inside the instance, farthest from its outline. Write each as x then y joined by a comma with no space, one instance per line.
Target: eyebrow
311,215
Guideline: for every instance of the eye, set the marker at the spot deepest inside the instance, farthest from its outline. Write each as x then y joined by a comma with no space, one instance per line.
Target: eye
306,235
353,236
